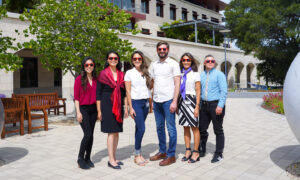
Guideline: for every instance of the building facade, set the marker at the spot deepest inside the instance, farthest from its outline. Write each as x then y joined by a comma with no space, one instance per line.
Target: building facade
34,78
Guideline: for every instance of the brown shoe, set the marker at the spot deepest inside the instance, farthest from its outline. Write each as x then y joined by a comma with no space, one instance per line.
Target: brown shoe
168,161
158,156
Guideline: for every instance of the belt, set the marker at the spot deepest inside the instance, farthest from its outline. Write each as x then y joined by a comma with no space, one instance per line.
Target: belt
209,102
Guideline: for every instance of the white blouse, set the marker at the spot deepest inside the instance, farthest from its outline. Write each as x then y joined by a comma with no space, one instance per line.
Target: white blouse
191,78
139,89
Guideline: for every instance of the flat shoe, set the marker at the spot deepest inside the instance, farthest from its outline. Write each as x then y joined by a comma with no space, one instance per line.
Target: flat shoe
114,167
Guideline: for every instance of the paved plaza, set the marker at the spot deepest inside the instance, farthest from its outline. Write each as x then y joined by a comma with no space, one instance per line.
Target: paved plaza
258,145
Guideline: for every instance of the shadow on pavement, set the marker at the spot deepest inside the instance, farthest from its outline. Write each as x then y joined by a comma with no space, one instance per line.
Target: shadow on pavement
285,155
11,154
147,150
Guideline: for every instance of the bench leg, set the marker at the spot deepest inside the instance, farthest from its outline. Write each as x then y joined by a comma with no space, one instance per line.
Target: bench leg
29,124
64,109
45,120
22,126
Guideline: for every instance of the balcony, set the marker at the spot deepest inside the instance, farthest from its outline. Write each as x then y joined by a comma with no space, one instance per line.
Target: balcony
215,5
129,6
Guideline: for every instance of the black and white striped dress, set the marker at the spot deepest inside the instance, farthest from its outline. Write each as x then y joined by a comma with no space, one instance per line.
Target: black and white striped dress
186,107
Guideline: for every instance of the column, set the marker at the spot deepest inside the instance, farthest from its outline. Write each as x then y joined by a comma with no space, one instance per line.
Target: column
68,81
6,82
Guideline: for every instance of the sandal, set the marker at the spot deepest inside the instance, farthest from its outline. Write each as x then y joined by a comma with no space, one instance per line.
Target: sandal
193,160
187,158
141,163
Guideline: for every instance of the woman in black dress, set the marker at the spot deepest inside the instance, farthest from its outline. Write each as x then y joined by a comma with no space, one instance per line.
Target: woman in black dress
110,100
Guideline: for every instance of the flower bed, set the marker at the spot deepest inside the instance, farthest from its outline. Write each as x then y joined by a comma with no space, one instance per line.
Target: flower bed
274,102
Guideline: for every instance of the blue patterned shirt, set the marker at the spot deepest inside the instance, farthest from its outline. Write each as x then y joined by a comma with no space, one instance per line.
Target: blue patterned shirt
216,86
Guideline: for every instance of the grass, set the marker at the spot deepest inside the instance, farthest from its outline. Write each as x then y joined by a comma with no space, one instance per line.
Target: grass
274,102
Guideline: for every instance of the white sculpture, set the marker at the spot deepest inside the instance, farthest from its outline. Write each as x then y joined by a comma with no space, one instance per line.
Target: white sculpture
291,96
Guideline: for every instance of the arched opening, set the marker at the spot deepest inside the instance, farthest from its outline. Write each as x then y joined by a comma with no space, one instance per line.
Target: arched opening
34,78
238,70
228,68
250,68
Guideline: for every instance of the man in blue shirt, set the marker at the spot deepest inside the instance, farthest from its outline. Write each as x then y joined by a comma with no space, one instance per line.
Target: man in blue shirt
213,97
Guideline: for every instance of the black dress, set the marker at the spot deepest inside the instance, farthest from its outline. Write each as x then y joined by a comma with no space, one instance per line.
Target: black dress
109,124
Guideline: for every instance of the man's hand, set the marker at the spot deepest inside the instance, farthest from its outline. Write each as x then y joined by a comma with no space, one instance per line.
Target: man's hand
173,107
219,110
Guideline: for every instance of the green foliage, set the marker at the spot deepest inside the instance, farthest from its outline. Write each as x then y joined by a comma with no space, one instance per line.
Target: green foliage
270,29
187,33
8,60
19,5
67,31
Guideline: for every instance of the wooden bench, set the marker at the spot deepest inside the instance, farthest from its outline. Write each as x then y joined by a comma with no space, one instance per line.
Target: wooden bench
13,113
56,105
37,102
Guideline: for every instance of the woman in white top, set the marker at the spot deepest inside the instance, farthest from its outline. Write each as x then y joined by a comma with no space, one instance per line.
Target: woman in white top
188,105
138,85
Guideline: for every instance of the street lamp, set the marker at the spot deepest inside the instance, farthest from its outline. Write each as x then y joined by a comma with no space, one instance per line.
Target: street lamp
225,31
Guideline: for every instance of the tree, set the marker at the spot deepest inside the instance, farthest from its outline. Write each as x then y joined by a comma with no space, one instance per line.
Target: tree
19,6
270,29
8,60
187,33
69,30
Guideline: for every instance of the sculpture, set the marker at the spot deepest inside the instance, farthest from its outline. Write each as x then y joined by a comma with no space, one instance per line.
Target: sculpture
291,98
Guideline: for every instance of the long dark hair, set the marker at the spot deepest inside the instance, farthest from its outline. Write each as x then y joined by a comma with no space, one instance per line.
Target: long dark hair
84,74
193,65
119,65
144,68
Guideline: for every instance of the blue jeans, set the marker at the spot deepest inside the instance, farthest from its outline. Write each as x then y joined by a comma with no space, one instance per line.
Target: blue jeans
141,108
162,114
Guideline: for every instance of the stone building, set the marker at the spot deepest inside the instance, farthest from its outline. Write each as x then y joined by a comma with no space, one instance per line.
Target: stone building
149,15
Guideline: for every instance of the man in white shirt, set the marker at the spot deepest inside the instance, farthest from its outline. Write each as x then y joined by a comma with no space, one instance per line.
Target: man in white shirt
166,75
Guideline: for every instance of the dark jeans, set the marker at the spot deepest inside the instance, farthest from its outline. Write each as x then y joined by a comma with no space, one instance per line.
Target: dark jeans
141,108
89,115
164,116
208,114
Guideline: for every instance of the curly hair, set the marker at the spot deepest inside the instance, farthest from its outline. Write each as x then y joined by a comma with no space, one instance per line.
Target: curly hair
144,68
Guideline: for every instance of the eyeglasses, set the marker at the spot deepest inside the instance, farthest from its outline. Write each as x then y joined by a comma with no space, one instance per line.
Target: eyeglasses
137,59
162,49
186,60
210,61
113,58
89,64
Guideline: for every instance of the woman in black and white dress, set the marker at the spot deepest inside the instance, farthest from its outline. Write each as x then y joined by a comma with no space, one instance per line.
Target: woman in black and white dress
189,105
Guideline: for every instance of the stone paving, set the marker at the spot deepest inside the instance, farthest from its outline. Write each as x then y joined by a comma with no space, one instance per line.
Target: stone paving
259,145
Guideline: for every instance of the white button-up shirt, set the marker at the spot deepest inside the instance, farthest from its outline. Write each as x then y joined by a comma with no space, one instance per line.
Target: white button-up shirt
139,89
163,74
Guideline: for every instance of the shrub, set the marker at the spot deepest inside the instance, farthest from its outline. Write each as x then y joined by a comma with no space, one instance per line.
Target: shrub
274,102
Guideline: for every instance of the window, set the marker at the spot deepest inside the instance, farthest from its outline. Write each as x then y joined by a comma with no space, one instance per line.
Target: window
123,4
214,20
159,8
29,73
195,15
172,12
146,31
57,77
184,13
160,34
145,6
204,16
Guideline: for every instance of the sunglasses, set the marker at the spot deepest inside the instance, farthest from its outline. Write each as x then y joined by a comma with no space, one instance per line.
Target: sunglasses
113,58
89,64
186,60
162,49
137,59
210,61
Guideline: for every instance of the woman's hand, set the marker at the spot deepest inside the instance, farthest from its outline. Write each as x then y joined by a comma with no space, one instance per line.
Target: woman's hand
132,113
99,116
126,113
196,112
79,117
